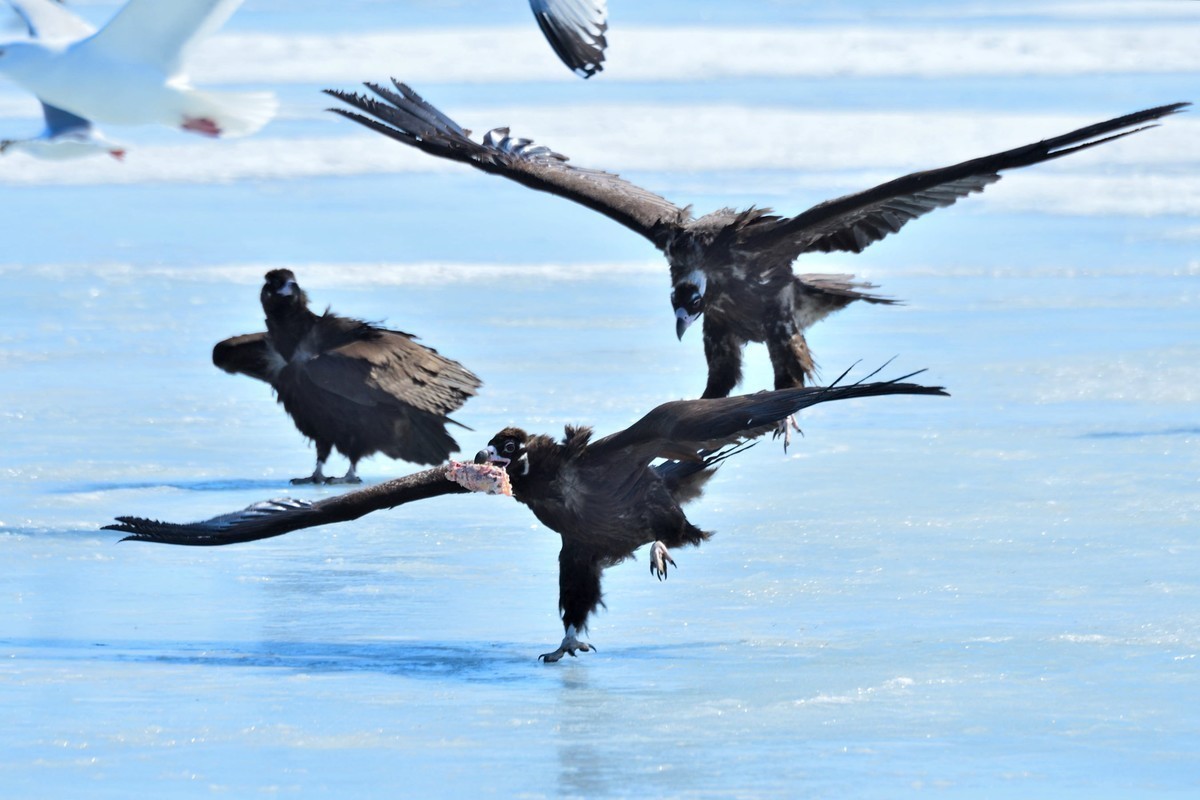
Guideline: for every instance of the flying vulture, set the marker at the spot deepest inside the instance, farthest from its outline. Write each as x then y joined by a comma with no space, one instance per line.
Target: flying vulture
733,267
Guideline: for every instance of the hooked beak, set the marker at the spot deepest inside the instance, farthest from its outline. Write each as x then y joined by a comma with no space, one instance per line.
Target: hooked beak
683,321
489,456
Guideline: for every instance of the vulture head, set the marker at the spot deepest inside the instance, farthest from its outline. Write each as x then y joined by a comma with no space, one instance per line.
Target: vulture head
687,298
281,292
507,448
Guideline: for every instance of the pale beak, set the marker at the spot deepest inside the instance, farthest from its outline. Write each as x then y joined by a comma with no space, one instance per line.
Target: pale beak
489,455
683,321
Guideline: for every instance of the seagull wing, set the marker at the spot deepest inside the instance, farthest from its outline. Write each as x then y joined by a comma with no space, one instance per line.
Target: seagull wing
277,517
853,222
683,428
50,21
160,32
59,122
404,116
575,29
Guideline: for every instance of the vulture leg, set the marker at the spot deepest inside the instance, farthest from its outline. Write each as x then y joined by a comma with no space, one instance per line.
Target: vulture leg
674,531
351,476
792,363
723,351
570,644
578,596
317,477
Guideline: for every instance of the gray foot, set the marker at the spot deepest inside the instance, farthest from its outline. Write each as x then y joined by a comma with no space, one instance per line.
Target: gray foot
785,428
659,558
568,648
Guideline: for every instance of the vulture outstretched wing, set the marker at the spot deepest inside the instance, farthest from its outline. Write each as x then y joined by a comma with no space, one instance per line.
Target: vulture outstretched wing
277,517
404,116
683,428
853,222
249,354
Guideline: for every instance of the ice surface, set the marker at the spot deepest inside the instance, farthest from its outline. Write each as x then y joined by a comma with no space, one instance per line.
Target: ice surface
991,595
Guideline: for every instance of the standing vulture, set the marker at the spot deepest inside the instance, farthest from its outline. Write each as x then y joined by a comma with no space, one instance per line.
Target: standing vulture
348,384
733,267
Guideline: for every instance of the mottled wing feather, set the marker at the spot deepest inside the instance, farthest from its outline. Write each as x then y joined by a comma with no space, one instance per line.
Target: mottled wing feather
855,221
249,354
406,117
276,517
819,295
852,231
575,29
391,367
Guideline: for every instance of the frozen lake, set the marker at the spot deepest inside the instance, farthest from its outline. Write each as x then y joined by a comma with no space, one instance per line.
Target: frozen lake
991,595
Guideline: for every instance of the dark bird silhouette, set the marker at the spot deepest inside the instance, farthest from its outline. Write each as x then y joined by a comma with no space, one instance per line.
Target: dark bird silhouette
733,267
605,500
575,29
284,515
348,384
603,497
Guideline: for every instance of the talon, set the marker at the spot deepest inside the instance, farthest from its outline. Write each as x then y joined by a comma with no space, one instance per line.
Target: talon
660,557
346,479
568,647
785,428
317,477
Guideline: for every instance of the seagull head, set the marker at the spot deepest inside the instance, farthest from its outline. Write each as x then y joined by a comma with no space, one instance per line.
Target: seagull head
507,449
687,298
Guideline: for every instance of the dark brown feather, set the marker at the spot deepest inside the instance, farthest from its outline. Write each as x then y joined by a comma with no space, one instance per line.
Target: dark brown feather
407,118
349,385
748,292
575,29
853,222
277,517
605,500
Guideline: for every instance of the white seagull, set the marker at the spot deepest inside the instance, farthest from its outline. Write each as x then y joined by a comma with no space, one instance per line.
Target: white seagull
66,135
130,72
